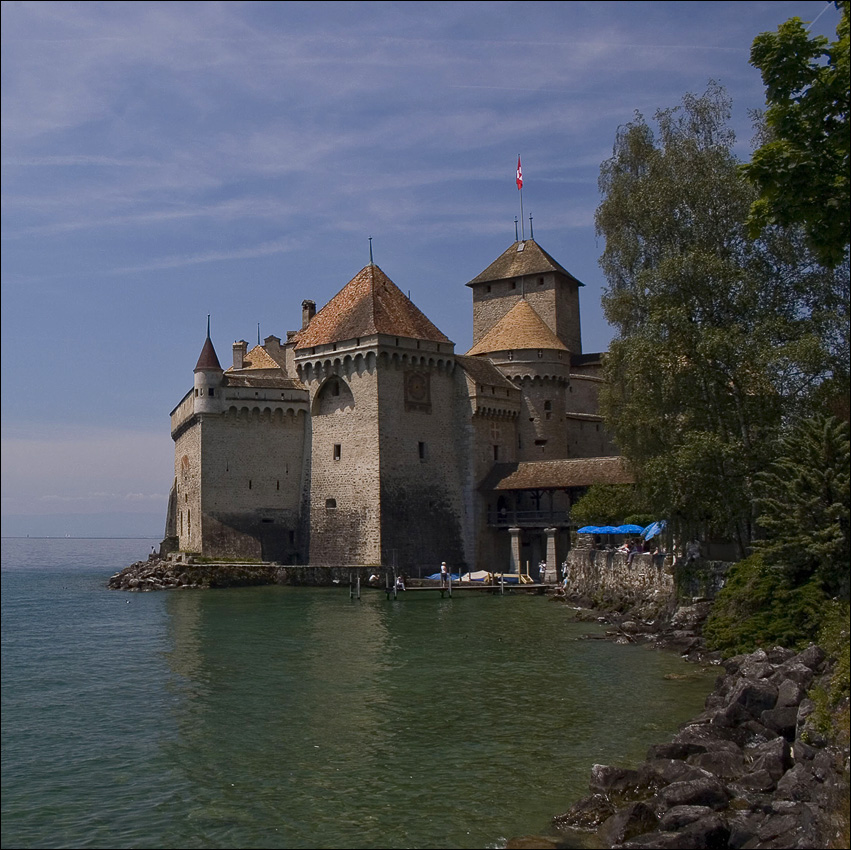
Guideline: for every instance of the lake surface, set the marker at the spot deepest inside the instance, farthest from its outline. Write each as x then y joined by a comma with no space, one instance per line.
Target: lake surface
297,717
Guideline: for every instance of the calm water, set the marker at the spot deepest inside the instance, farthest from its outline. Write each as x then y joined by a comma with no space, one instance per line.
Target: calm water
294,717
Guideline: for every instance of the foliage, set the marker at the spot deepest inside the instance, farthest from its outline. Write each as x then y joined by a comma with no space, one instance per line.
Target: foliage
804,503
802,169
719,335
606,504
759,607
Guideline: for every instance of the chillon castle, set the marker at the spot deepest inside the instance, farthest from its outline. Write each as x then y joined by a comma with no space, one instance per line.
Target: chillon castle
365,439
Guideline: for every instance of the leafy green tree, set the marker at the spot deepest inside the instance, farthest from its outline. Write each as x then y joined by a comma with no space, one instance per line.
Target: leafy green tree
718,335
802,170
804,505
610,504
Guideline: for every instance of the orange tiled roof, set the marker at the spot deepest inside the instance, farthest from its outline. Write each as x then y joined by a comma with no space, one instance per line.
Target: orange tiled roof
521,327
558,474
522,258
482,371
370,303
257,358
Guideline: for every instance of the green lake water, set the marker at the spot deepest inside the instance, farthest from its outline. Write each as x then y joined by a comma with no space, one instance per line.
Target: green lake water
295,717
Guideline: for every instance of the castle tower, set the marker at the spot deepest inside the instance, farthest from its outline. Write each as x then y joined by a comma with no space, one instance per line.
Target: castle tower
208,379
386,465
529,354
525,271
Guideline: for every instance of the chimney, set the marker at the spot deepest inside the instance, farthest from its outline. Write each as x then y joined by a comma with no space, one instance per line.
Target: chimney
308,311
239,350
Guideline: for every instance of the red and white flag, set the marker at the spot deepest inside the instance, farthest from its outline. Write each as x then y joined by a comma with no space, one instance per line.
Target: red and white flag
519,173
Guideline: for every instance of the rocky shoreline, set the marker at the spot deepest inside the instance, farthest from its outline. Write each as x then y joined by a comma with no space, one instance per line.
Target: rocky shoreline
752,771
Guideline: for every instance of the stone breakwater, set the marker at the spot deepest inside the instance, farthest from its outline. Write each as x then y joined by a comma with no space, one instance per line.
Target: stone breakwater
168,573
752,771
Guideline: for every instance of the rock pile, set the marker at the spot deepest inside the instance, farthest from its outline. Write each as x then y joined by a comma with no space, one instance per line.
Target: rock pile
158,574
752,771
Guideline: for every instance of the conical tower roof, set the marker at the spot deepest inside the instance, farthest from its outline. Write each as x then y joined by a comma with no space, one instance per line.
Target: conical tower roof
207,360
521,327
370,303
522,258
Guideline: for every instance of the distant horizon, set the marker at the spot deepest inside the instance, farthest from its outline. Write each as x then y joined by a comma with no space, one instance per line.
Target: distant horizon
72,537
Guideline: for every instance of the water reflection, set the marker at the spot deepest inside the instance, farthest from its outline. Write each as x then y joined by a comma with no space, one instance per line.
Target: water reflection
304,718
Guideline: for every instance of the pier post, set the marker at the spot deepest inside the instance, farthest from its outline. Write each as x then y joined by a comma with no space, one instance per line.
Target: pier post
514,563
552,562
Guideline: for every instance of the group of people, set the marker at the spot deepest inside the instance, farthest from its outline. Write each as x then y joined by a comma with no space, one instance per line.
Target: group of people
634,547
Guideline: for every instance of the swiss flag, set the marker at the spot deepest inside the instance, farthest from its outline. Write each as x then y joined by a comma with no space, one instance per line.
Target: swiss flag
519,173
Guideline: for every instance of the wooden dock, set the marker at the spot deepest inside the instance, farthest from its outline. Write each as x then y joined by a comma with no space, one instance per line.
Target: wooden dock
465,586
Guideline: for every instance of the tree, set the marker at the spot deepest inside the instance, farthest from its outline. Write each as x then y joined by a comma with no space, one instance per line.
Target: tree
802,170
804,505
610,504
718,334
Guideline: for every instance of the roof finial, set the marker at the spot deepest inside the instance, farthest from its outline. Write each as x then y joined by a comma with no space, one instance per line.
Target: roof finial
258,333
208,325
370,251
516,236
531,232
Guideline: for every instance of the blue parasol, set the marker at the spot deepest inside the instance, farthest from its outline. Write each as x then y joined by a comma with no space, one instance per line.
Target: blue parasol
630,529
588,529
653,529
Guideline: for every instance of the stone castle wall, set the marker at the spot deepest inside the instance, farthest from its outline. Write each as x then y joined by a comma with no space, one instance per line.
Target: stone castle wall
252,464
422,510
345,515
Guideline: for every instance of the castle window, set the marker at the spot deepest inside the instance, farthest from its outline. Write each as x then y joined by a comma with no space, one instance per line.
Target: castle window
249,483
514,284
212,391
540,442
338,451
548,405
496,452
421,447
540,281
196,393
540,353
488,288
330,504
277,485
266,520
510,355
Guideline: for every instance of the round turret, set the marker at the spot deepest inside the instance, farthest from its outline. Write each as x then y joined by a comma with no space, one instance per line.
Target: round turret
209,377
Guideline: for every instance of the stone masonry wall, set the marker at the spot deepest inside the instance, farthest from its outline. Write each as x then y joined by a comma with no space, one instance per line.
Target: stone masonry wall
345,516
422,509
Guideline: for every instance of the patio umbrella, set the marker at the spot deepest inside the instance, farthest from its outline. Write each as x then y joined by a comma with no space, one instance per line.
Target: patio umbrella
630,529
653,529
608,529
589,529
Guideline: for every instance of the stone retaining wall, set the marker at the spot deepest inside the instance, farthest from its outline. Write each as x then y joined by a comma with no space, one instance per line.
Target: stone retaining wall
610,579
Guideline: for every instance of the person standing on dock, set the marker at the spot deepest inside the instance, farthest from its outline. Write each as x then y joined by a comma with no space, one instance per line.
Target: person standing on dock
444,575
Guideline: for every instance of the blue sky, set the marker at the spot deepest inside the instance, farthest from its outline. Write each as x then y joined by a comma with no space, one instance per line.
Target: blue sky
163,161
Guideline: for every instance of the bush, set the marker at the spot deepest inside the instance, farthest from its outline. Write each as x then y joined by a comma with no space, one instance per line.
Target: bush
759,607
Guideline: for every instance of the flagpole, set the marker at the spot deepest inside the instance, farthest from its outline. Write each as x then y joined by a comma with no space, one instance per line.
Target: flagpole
520,188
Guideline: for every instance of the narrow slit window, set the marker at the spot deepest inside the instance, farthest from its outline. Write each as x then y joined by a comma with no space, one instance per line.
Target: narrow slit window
338,451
